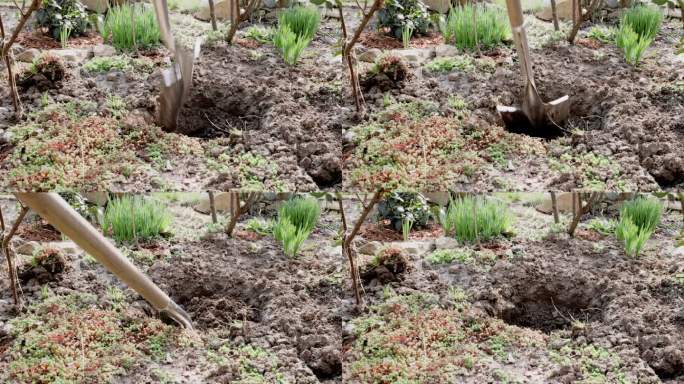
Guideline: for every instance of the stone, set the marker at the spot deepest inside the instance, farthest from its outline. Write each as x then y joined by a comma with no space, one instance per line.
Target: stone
222,10
415,56
446,50
97,6
414,248
27,56
563,11
74,55
27,248
563,202
678,252
440,198
103,50
5,137
371,248
370,55
446,243
98,198
66,247
223,203
441,6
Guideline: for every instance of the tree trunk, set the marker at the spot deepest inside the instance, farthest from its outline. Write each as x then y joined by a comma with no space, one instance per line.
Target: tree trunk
581,19
212,207
554,206
6,249
577,212
212,15
350,59
554,15
6,55
348,248
235,214
234,20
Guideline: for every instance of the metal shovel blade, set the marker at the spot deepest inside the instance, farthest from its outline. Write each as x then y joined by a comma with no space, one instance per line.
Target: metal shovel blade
177,80
535,117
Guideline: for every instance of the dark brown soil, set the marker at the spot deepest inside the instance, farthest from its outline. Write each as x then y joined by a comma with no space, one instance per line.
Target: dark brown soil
628,305
291,116
628,115
565,288
284,305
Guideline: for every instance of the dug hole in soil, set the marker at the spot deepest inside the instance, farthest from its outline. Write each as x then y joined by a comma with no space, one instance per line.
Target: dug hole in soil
630,116
245,103
242,293
564,295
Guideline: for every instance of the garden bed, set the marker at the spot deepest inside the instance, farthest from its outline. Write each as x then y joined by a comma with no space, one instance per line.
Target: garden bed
258,314
534,305
622,133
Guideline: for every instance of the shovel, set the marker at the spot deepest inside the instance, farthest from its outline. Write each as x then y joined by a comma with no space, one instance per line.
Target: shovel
177,80
57,212
534,117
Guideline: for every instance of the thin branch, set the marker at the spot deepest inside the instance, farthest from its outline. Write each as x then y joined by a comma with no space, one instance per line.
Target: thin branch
348,249
554,15
35,4
340,201
8,254
2,221
212,15
349,58
581,19
240,209
582,210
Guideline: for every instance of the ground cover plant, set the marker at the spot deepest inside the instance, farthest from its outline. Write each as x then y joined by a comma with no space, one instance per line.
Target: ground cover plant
392,149
523,308
54,153
267,133
81,324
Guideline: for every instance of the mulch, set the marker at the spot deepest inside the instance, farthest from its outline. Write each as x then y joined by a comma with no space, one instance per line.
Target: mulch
383,41
39,231
40,40
383,233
